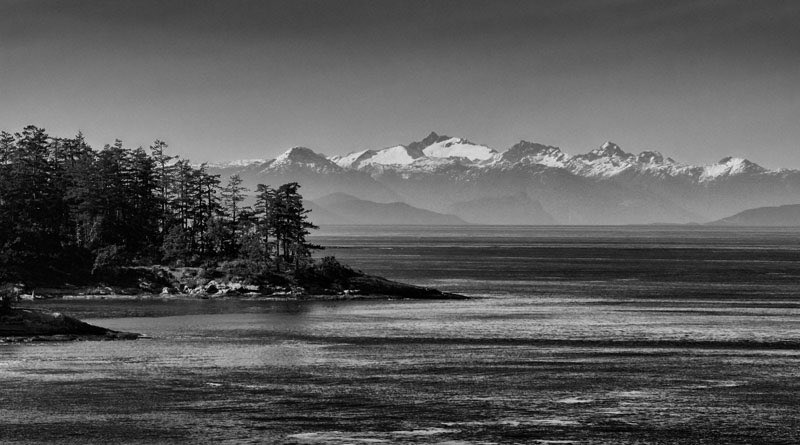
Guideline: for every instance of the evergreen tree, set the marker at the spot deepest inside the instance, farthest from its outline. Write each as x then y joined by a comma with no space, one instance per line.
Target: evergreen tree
265,214
291,225
203,206
145,207
232,195
163,164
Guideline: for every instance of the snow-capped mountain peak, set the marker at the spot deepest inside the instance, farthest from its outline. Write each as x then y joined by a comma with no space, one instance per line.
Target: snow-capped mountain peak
729,166
533,153
606,161
458,148
607,150
416,147
302,157
610,146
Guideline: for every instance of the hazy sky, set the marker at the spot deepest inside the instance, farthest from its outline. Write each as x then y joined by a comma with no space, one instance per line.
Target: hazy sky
697,80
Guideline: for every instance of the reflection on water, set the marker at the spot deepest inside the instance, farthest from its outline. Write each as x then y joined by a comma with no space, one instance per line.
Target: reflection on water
565,346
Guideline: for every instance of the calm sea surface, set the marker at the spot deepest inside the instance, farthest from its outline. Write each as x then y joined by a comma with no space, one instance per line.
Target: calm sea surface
577,335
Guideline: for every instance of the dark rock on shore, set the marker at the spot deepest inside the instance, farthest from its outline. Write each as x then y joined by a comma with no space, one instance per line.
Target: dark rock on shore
21,324
373,285
329,277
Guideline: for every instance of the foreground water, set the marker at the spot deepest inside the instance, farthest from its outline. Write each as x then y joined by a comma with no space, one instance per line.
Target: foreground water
580,335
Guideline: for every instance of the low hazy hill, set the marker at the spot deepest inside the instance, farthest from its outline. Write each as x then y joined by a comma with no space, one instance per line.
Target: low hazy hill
781,216
341,208
516,209
323,217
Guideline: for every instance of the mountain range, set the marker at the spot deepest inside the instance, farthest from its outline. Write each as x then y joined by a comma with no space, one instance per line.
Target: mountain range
529,183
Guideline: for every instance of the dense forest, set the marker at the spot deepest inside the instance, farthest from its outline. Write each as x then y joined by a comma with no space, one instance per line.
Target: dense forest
70,212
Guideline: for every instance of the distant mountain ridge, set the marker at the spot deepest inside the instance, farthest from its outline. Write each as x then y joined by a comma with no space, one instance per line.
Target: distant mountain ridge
606,185
780,216
341,208
517,209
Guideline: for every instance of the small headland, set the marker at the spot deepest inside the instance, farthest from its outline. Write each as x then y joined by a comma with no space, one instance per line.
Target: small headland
19,324
27,325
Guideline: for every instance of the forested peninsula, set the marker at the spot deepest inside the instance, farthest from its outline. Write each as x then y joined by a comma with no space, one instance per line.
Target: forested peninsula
76,220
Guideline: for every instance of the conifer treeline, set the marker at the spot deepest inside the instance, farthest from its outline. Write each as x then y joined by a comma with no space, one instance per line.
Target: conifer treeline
67,210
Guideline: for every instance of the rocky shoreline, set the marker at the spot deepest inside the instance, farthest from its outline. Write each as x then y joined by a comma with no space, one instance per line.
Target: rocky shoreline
159,282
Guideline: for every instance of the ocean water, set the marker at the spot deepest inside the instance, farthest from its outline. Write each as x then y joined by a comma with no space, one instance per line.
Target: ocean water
575,335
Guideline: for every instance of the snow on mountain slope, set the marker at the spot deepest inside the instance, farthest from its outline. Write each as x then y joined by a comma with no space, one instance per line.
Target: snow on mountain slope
458,148
607,161
729,167
610,161
431,152
533,153
302,157
607,151
239,163
397,155
653,158
347,161
317,175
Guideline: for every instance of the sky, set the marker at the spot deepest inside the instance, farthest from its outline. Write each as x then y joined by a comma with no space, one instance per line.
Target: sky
221,80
